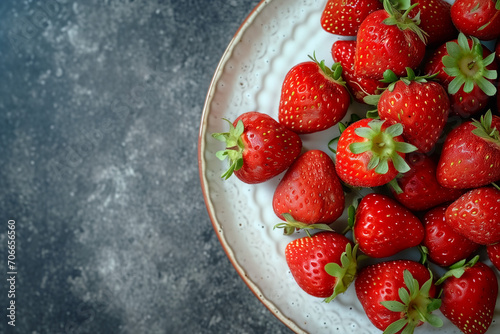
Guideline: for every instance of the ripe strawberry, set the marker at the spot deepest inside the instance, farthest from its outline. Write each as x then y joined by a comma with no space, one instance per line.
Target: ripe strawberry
371,153
435,20
310,192
258,147
383,227
470,156
469,295
476,215
493,252
388,39
343,17
343,52
418,189
421,106
313,97
398,294
444,246
323,265
468,72
478,18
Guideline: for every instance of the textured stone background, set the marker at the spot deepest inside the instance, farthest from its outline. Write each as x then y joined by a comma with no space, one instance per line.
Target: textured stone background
100,103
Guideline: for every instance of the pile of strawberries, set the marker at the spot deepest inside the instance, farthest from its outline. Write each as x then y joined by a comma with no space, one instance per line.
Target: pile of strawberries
428,150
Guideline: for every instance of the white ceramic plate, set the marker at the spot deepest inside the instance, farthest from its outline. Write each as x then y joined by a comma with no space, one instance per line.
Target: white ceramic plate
277,35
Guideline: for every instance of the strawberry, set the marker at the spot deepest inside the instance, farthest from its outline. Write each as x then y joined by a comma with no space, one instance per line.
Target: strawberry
418,189
310,192
493,252
421,106
476,215
313,97
258,147
468,72
343,52
397,294
371,153
323,265
383,227
478,18
388,39
444,246
435,20
343,17
469,295
470,156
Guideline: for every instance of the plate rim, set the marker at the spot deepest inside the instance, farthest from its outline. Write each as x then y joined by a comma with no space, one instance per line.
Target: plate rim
250,18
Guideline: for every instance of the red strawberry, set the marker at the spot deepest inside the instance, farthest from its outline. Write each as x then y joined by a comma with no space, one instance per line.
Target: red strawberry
371,153
470,156
468,72
343,52
478,18
418,189
469,296
258,147
343,17
476,215
444,246
435,20
323,265
398,294
421,106
383,227
388,39
313,97
497,50
310,192
493,252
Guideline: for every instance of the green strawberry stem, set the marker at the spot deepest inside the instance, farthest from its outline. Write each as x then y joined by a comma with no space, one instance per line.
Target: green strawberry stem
333,73
383,146
416,304
458,269
234,147
468,67
346,273
484,130
402,21
291,225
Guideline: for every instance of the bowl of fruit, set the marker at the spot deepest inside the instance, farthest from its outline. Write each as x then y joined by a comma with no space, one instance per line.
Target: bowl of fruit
349,157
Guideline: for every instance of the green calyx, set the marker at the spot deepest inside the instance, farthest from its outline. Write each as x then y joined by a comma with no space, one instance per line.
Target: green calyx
402,20
458,269
416,304
291,225
383,146
345,273
334,73
234,147
484,130
468,67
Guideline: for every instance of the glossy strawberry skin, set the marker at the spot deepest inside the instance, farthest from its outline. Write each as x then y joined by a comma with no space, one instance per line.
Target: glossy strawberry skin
445,246
383,227
270,148
462,104
468,161
310,190
477,18
476,215
343,52
381,47
310,101
352,168
435,20
420,189
343,17
381,282
469,301
493,252
306,258
422,108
